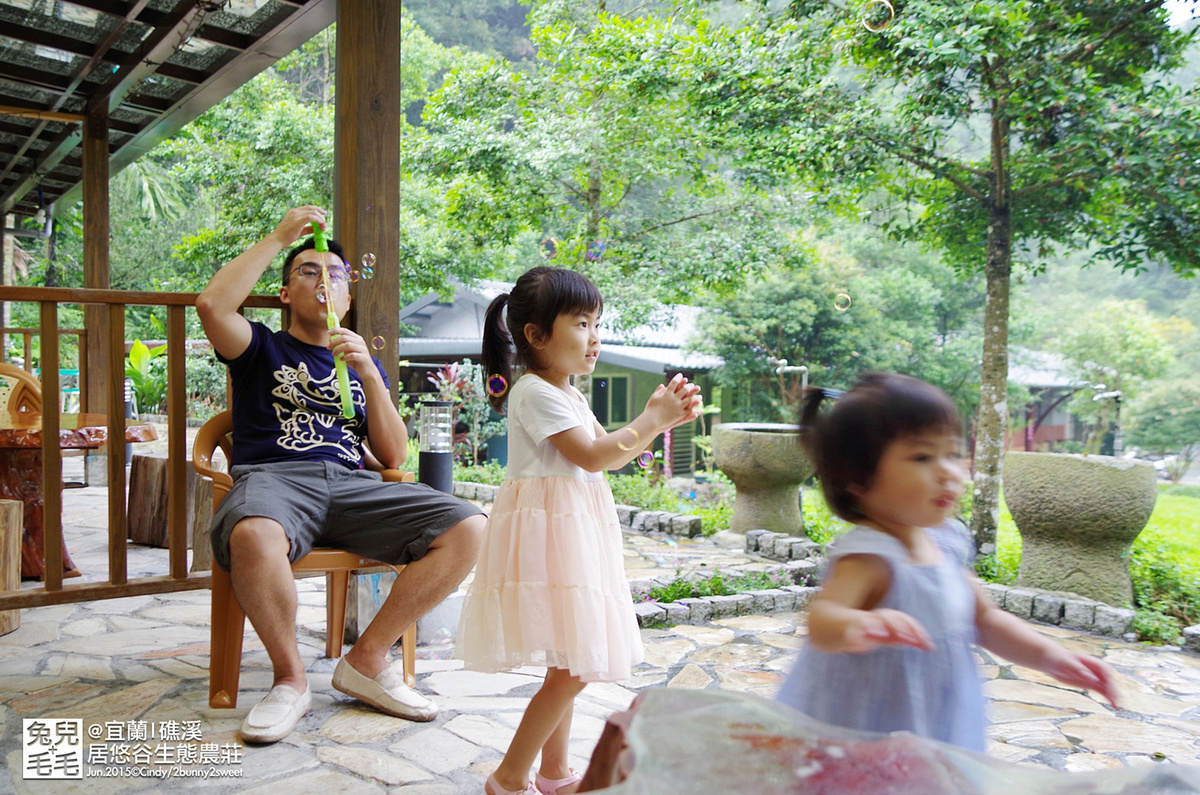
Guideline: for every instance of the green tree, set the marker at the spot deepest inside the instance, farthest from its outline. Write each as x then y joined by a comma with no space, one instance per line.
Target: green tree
862,304
1116,347
493,27
311,68
591,159
1017,128
257,154
1166,420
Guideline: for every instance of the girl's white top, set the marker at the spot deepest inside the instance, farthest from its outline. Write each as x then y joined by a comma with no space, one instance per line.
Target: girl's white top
532,422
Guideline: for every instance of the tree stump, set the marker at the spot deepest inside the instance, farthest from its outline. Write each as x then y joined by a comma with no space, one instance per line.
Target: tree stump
148,492
12,526
201,518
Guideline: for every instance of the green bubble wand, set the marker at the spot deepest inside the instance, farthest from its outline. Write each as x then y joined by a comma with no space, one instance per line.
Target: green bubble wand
321,246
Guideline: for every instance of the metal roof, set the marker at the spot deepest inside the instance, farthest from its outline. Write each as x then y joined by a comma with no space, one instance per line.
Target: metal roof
155,64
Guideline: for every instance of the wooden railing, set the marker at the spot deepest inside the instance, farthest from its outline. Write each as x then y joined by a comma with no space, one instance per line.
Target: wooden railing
27,335
112,364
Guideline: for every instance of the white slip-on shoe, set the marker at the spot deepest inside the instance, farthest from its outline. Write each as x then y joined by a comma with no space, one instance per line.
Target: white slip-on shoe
386,692
275,716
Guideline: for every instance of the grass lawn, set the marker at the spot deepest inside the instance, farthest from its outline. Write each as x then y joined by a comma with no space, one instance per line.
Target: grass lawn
1174,527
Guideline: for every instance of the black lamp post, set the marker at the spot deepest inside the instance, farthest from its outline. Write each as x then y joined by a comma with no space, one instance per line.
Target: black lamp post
436,430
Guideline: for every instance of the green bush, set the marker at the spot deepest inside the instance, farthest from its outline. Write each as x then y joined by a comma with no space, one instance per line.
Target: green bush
205,377
1156,625
993,568
820,523
1165,595
490,473
640,490
712,501
719,583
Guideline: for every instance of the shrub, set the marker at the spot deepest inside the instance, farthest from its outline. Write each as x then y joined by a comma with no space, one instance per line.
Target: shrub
491,473
1166,597
993,568
205,378
820,524
692,585
638,489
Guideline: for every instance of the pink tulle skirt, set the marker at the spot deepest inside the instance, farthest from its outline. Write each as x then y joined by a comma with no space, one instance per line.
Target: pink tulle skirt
550,587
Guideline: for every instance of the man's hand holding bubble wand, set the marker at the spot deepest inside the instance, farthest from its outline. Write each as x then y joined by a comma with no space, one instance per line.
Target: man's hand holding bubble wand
321,246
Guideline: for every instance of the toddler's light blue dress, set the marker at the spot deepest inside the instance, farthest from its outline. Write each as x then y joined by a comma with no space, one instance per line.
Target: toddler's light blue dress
935,694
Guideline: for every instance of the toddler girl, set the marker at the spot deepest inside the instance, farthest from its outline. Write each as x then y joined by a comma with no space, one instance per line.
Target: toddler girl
550,585
892,631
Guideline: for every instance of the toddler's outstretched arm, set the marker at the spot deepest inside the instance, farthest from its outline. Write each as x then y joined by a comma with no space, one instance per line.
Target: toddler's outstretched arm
1016,641
673,403
843,616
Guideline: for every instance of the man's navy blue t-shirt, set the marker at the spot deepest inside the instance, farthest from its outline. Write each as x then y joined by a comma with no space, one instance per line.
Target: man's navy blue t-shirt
286,403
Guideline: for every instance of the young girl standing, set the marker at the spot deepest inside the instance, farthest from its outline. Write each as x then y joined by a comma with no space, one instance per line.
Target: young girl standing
550,585
892,632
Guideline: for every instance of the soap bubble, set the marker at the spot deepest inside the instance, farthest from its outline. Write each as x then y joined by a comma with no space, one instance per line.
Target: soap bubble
645,459
877,15
368,260
549,248
367,273
320,295
377,343
841,302
353,276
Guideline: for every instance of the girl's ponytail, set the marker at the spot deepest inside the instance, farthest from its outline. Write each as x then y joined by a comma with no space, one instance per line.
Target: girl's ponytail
496,352
810,418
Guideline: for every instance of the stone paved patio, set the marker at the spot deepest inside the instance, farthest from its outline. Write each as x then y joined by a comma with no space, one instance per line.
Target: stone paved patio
146,659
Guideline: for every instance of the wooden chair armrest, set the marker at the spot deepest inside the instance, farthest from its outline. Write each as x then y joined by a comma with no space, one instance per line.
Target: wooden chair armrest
398,475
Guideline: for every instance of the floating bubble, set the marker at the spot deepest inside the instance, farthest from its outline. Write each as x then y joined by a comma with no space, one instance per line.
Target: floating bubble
549,248
595,249
353,276
368,260
496,385
645,459
321,296
367,273
377,343
877,15
841,302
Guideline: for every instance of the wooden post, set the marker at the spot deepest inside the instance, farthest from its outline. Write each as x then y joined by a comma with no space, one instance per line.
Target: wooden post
366,213
12,524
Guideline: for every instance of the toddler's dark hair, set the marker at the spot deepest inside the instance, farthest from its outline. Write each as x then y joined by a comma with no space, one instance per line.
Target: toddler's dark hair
334,248
847,443
538,297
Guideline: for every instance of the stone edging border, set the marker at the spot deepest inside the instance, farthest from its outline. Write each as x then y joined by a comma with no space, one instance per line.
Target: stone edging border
1048,607
803,556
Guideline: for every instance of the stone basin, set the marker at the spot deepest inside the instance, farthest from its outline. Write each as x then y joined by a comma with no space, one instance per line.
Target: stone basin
767,465
1078,516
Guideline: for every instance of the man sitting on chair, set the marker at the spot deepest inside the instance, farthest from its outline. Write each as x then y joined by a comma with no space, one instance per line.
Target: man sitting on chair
302,479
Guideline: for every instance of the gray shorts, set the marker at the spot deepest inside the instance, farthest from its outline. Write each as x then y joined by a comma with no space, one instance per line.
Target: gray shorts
325,504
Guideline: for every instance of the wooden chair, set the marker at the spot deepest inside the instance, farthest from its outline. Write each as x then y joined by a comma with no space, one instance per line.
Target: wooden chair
228,618
24,391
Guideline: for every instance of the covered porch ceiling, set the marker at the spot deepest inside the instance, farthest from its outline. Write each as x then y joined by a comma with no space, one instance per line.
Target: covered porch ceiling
151,65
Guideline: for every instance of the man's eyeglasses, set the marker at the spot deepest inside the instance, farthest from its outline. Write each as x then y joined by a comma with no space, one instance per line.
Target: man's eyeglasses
337,272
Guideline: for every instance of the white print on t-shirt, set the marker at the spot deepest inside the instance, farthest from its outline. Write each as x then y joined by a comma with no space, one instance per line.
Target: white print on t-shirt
311,407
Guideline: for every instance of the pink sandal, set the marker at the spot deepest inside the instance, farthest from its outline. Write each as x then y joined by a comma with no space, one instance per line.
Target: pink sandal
550,786
490,787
